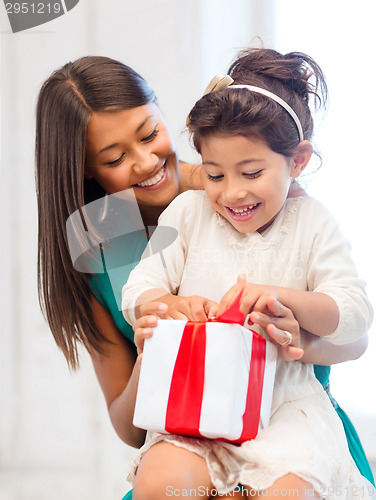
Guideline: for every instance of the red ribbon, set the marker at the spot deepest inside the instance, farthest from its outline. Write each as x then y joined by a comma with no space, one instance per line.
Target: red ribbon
187,384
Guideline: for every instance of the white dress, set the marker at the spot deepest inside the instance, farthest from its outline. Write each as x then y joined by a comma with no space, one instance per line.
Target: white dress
303,249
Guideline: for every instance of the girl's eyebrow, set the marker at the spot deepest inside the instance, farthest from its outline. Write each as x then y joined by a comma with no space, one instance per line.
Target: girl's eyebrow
239,164
116,143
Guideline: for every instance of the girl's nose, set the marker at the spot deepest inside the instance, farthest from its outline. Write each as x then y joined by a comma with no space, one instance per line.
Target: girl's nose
234,191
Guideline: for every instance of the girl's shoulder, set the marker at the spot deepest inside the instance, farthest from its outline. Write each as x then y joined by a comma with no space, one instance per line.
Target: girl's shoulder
188,209
312,216
307,207
192,200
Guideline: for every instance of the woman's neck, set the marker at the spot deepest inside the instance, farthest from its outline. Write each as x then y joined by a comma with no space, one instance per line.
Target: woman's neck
150,215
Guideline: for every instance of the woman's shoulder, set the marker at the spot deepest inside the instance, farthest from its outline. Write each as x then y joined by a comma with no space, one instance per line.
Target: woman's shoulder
189,176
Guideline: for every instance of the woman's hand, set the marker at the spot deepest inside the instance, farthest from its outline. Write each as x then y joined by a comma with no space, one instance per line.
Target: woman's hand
278,322
143,326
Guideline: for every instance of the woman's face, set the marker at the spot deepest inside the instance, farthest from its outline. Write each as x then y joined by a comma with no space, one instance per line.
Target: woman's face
133,148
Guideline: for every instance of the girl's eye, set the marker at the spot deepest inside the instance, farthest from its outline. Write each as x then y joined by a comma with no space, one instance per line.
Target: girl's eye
151,136
215,177
253,175
116,162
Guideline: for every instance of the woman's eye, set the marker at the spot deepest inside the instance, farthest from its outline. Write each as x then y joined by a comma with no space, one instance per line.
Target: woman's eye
253,175
151,136
116,162
215,177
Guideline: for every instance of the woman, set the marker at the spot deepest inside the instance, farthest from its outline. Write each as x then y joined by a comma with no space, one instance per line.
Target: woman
99,130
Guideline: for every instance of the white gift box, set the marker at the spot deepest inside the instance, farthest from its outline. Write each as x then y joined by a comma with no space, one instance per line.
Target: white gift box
217,384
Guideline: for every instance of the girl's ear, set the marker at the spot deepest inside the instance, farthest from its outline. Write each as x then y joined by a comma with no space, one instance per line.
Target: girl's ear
301,158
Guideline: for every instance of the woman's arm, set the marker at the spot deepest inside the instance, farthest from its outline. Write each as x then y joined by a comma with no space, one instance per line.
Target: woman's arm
117,371
321,352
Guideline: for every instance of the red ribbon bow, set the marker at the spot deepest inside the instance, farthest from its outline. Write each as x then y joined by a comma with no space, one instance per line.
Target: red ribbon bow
187,384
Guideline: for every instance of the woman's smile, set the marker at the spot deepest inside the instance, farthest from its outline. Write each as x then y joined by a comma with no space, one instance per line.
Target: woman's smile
155,181
133,148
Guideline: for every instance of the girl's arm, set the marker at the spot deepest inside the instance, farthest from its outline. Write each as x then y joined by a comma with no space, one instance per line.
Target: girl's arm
117,371
315,312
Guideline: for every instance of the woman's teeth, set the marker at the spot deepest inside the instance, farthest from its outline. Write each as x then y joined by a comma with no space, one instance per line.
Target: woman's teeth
243,211
153,180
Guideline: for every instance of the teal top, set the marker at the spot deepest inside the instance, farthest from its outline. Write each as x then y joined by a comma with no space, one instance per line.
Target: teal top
107,288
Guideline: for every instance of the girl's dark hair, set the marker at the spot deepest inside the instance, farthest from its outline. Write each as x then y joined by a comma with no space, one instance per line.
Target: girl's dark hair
295,77
65,104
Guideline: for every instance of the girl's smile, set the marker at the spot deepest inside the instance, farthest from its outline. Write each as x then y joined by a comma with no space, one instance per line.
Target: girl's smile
245,180
244,213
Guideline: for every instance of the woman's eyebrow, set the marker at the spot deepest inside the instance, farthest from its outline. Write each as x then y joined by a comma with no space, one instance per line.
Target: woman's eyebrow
143,123
116,143
107,147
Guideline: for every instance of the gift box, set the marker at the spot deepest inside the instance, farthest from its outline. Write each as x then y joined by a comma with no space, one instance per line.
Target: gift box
210,379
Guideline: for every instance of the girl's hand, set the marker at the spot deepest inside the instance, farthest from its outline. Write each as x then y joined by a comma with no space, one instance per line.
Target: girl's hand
265,309
253,297
194,308
278,320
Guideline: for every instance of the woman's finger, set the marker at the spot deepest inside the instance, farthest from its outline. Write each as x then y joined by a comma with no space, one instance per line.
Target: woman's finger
140,335
287,350
145,321
277,308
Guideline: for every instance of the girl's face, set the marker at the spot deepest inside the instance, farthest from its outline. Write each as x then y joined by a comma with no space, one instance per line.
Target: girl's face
133,148
245,180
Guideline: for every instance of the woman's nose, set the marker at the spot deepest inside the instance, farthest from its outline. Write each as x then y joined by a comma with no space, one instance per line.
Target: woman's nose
145,162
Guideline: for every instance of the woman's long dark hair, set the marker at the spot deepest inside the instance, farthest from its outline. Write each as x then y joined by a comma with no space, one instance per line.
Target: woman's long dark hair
295,77
66,101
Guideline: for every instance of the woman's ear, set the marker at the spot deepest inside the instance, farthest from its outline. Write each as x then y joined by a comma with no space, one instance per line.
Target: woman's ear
87,172
301,158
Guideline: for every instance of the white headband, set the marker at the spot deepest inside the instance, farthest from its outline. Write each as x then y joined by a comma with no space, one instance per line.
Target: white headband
220,82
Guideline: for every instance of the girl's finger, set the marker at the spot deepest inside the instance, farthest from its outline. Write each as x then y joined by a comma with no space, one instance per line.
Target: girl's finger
157,308
211,309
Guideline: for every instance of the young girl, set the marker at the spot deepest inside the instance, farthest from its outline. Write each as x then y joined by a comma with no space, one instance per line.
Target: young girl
253,131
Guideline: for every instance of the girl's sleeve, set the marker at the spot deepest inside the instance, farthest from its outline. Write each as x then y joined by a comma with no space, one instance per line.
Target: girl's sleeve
331,270
162,263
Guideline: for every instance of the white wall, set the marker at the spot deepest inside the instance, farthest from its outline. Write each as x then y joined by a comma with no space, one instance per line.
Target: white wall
341,36
55,437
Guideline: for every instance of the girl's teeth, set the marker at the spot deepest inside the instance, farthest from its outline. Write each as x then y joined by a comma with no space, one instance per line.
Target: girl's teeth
153,180
243,211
